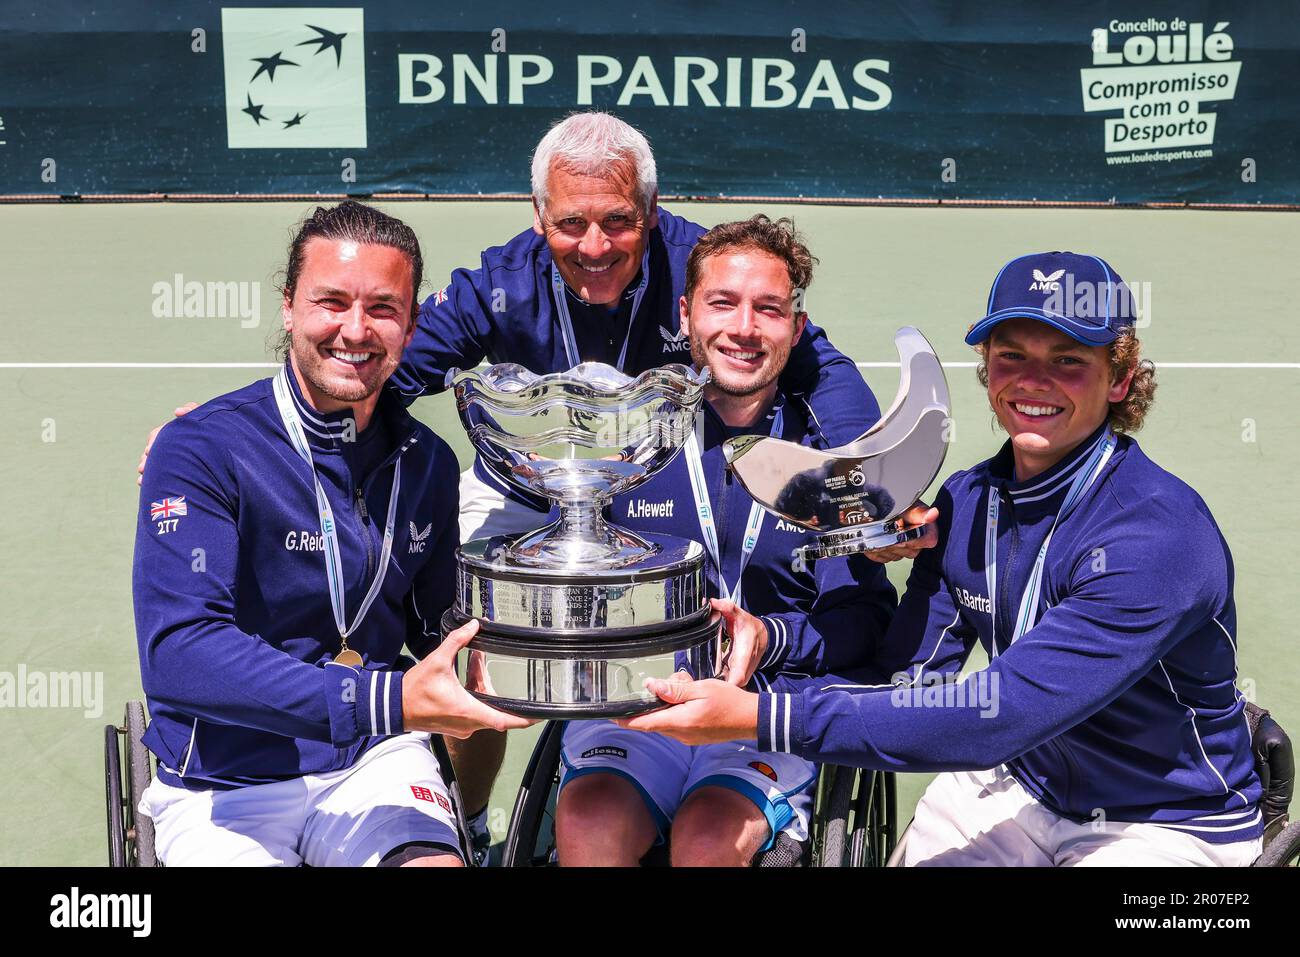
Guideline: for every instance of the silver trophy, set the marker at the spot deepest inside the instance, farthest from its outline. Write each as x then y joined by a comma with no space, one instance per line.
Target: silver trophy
852,496
577,614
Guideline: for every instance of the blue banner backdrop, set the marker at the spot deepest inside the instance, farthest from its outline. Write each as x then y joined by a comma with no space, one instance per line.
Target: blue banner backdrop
1093,101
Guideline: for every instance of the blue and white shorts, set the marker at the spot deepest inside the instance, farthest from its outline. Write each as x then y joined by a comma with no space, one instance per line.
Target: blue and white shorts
665,772
393,795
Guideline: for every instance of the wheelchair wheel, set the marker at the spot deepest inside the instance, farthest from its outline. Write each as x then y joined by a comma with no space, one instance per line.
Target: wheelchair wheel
856,819
534,811
113,797
1283,850
831,817
875,818
139,828
130,836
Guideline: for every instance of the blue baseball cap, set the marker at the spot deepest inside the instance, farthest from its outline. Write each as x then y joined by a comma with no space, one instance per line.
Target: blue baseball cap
1079,295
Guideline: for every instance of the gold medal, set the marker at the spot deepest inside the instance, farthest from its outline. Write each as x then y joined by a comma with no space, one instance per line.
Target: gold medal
348,657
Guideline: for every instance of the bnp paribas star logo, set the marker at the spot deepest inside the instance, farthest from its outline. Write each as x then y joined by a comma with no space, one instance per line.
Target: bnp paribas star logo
295,77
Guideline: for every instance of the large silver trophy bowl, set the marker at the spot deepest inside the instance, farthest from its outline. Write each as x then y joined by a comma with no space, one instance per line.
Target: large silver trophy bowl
577,614
852,496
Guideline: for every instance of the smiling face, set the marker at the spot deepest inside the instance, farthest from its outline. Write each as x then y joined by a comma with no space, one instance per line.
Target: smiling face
596,228
742,322
349,320
1048,391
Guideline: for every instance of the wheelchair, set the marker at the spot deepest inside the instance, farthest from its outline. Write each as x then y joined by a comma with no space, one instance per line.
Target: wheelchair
129,767
854,820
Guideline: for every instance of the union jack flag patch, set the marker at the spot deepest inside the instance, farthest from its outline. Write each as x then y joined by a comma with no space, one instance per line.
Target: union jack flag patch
168,508
440,296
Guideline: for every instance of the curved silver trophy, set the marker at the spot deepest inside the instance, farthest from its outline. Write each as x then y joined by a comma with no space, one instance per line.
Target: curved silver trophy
852,496
575,615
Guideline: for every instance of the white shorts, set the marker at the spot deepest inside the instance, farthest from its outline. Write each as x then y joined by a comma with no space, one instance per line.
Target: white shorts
485,511
974,818
393,795
665,772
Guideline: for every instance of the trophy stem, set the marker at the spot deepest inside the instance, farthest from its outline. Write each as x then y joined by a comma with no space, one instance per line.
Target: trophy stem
582,519
580,539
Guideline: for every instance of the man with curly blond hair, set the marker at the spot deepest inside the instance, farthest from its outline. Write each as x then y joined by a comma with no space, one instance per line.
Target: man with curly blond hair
1107,728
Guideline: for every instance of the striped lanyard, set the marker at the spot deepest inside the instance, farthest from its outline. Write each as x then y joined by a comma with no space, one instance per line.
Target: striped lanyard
704,511
558,291
1027,615
328,528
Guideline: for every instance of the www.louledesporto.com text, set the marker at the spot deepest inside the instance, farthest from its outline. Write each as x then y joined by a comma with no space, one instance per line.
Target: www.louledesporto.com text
1157,156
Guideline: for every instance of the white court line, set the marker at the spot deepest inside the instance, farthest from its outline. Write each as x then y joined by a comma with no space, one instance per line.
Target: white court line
1159,365
860,365
1226,365
140,365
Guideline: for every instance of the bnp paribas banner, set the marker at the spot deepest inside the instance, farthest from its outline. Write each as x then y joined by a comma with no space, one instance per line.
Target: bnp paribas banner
1126,102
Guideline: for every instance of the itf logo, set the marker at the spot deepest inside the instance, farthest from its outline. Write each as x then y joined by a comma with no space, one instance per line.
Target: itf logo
294,77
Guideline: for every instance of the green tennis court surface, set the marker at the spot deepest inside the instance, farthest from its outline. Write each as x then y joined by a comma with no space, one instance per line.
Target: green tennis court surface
81,284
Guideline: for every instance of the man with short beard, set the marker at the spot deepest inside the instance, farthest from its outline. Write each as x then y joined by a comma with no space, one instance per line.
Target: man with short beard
293,535
721,803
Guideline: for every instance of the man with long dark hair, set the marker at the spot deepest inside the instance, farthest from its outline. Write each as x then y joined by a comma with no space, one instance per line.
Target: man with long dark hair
292,536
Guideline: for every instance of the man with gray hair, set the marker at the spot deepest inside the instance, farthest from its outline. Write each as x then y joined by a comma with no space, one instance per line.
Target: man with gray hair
597,278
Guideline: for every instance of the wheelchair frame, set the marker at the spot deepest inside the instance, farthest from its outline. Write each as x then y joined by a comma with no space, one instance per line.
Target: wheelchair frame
129,767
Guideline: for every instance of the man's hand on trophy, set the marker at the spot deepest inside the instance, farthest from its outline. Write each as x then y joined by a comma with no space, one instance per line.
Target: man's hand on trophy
148,443
701,712
918,514
434,700
747,641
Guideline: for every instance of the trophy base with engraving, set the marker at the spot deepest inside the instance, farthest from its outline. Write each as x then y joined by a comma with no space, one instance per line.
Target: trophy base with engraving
579,643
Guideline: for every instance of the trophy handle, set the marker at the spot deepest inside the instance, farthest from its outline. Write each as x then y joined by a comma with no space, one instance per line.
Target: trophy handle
911,343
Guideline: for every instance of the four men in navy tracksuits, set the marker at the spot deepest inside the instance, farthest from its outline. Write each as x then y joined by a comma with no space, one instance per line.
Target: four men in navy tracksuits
1094,579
